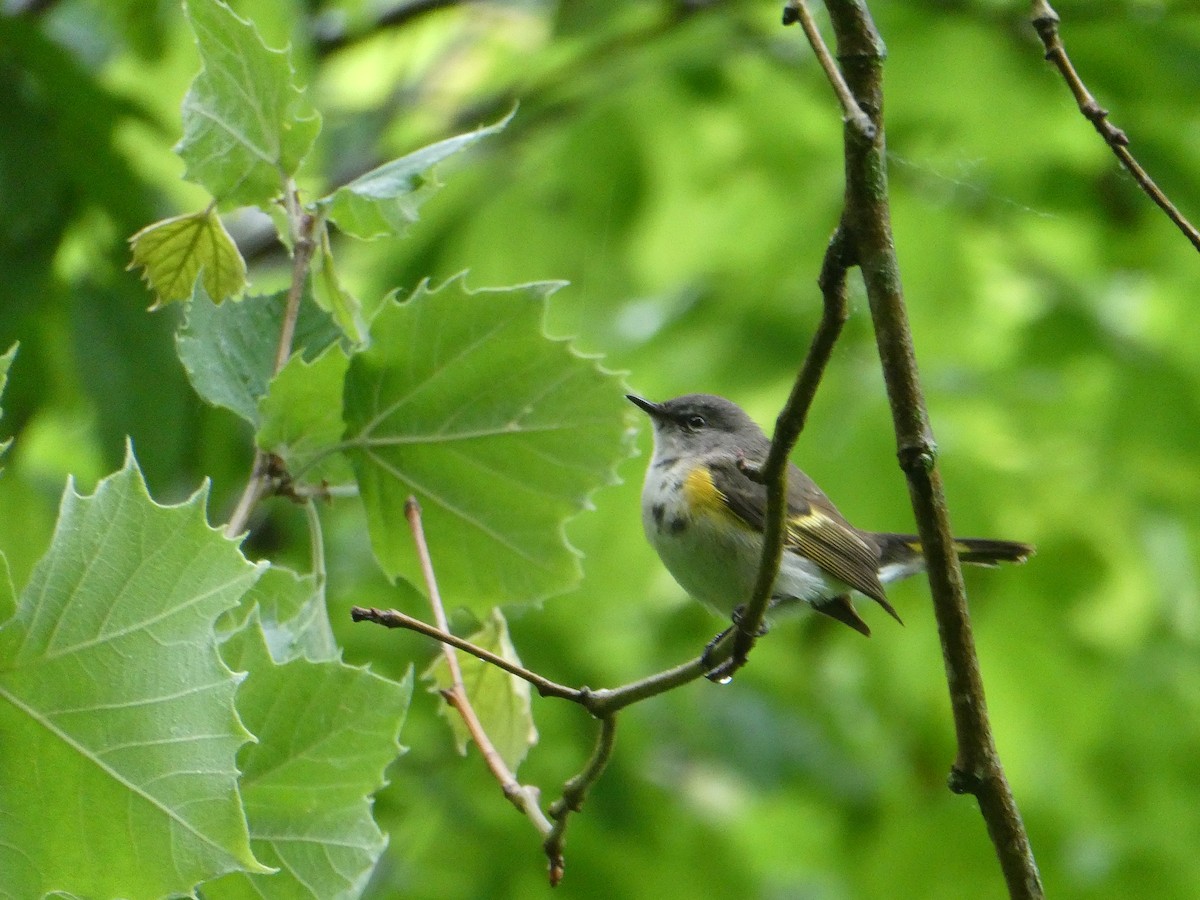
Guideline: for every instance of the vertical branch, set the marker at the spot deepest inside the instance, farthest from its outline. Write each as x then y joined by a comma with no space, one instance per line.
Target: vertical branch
302,226
977,769
788,425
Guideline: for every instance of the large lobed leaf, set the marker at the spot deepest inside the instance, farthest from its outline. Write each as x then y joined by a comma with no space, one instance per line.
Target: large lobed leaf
500,432
116,712
246,126
325,731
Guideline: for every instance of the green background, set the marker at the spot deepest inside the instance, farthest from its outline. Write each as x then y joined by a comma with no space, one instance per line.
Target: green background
679,163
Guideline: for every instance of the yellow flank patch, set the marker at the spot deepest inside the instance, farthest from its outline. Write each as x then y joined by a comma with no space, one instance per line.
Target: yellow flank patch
703,497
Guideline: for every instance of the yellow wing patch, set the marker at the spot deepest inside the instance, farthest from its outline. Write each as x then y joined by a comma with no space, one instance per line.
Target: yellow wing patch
704,498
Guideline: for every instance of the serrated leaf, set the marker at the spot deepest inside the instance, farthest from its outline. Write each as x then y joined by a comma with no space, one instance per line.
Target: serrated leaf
500,700
326,732
386,200
120,737
332,296
301,417
228,351
8,593
171,253
6,362
499,431
246,126
290,609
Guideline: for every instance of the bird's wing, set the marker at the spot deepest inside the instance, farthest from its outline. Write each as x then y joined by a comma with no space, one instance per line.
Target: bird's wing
816,529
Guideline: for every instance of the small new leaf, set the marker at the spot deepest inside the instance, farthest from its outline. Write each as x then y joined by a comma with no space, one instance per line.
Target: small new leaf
332,296
171,253
301,417
246,126
500,700
386,200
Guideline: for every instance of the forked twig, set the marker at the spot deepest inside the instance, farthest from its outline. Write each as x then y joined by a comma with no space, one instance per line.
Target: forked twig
1045,23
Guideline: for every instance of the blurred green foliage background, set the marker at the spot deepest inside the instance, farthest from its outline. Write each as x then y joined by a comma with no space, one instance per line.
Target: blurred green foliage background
679,162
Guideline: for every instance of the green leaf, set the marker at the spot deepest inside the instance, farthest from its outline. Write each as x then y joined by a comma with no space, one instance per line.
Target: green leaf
500,432
331,296
500,700
246,126
6,362
386,200
228,351
120,737
174,251
292,614
8,593
326,732
301,417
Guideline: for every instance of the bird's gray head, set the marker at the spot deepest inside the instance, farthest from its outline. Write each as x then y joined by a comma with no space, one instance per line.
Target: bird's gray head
698,424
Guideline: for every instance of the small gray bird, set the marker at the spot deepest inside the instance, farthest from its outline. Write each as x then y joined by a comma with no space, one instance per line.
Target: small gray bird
705,517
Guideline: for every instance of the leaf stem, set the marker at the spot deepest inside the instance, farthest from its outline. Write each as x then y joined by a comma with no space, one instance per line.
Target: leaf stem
525,798
303,225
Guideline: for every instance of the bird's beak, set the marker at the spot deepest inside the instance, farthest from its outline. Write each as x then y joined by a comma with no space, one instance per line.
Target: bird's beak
654,410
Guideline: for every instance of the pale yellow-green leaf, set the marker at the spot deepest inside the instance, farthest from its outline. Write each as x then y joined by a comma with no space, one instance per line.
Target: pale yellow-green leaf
500,700
171,253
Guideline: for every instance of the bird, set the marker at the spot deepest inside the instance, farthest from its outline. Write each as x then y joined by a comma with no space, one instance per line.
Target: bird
705,517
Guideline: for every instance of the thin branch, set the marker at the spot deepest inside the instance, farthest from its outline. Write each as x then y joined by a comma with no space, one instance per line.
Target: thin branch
523,797
977,768
795,11
303,245
575,792
773,473
599,703
391,618
1045,22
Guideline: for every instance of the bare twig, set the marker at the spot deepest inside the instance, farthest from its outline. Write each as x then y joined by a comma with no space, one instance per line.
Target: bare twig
795,11
1045,22
790,422
866,218
391,618
524,797
599,703
575,792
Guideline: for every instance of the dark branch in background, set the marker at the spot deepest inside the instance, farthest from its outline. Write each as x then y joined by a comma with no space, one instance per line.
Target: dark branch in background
866,219
1045,22
327,40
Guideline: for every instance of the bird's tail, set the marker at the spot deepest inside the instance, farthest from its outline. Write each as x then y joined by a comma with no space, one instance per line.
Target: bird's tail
901,549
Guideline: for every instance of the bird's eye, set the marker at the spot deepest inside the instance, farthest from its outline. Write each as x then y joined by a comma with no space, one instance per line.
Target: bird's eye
695,423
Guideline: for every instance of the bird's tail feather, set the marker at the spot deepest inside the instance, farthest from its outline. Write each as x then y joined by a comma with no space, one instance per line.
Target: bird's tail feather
901,548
